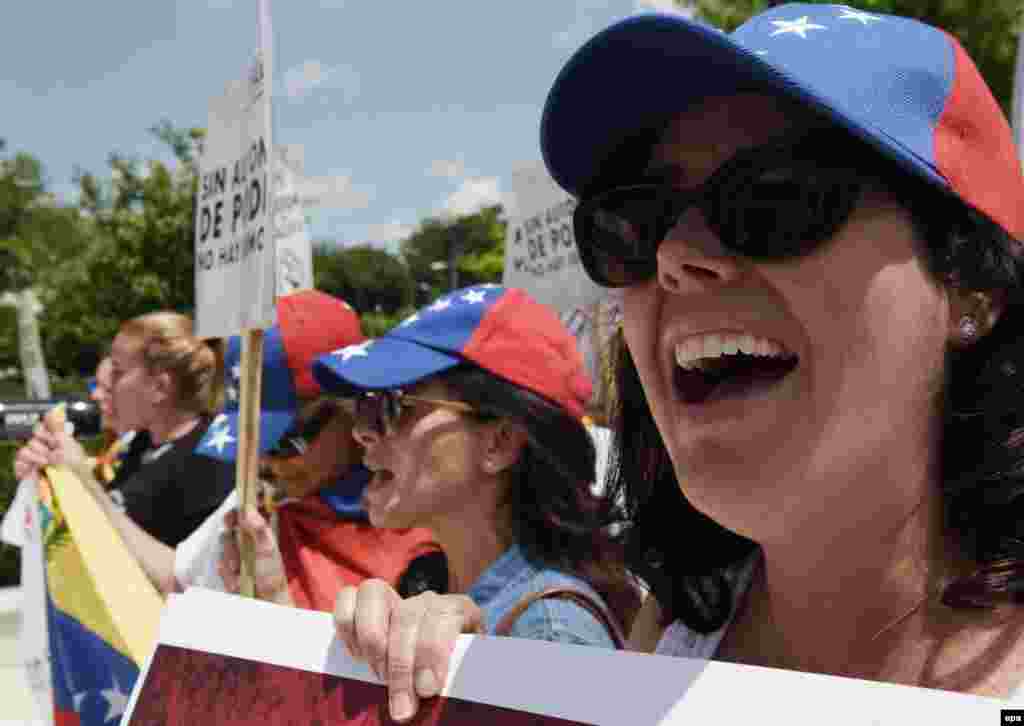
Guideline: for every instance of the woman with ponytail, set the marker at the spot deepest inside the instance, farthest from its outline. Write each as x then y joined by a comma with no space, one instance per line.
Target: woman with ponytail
164,383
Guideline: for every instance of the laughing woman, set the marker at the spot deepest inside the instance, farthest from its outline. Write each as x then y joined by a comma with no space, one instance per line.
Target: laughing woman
470,414
817,234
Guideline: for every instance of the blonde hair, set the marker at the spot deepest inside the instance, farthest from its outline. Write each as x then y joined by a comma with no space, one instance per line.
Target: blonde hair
196,365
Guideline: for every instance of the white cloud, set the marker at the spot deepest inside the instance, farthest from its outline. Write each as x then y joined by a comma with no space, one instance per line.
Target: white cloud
472,194
333,192
666,6
303,79
388,232
448,168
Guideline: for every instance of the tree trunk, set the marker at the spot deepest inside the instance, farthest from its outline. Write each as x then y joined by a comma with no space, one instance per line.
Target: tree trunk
30,347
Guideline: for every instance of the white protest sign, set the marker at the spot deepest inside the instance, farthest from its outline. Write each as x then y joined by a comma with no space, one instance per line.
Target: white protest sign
234,244
22,528
541,257
297,671
291,241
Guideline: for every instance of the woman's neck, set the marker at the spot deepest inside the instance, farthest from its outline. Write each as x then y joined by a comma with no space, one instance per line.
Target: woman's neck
837,596
172,425
471,541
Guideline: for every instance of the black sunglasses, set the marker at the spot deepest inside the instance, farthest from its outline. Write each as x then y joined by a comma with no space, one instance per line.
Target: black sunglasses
381,411
304,429
768,203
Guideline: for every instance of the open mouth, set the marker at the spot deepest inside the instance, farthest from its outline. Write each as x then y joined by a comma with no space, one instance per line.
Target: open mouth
722,365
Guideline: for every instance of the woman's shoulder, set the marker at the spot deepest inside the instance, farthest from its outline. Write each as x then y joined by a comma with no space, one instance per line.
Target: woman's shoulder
563,608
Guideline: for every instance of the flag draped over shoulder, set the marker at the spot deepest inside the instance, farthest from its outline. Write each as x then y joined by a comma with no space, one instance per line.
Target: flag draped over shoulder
323,553
102,612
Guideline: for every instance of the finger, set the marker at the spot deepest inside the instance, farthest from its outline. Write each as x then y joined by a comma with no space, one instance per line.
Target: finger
344,620
449,616
230,563
231,519
375,600
268,566
403,636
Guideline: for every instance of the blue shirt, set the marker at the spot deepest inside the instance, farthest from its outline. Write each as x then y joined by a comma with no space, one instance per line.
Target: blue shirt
511,577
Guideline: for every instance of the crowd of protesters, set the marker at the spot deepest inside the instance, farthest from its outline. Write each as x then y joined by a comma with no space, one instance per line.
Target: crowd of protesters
816,441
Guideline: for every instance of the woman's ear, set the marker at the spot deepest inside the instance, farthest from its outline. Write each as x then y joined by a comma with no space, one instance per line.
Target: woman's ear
973,315
504,445
163,387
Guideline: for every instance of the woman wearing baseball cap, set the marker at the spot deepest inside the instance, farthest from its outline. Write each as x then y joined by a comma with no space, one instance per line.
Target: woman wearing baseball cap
816,225
470,414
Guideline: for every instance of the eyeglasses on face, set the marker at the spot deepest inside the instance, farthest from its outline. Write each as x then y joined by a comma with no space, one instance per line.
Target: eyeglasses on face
768,203
306,427
381,411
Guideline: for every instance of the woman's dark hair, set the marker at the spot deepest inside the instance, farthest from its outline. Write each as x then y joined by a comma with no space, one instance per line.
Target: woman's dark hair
556,517
684,556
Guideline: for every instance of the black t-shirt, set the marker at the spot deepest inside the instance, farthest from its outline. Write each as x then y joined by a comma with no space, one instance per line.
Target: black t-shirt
174,489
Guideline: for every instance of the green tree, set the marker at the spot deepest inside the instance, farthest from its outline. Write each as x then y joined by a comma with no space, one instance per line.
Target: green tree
139,258
370,279
988,30
479,249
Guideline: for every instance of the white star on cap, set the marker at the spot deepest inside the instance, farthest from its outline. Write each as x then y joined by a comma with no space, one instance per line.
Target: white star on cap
117,702
800,26
409,320
858,15
474,296
220,439
353,351
441,305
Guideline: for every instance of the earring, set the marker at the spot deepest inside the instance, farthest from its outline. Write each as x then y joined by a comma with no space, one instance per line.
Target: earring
968,328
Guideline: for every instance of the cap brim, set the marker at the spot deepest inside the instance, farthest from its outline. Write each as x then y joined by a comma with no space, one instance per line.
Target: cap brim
636,75
221,439
385,363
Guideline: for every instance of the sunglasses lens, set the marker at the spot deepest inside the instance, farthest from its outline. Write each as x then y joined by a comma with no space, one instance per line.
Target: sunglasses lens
378,411
619,233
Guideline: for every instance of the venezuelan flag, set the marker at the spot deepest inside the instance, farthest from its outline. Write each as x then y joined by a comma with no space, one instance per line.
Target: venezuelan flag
101,610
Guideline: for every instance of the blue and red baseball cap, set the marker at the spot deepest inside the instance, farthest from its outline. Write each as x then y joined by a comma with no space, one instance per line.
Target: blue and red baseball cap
502,330
309,323
906,88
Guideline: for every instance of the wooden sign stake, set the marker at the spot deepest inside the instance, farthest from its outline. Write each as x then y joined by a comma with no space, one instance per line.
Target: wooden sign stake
247,464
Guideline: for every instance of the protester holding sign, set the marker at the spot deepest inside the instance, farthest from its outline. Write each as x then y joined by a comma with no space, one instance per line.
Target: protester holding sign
318,538
470,413
165,382
817,233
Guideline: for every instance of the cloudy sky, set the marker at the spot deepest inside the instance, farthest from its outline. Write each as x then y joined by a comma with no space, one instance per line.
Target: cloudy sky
401,110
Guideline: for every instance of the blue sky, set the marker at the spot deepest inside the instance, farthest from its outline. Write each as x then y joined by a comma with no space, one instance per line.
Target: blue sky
402,110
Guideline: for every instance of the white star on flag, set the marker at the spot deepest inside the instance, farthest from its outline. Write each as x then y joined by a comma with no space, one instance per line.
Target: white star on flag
409,320
220,420
220,439
353,351
858,15
117,702
236,372
800,26
489,286
441,305
474,296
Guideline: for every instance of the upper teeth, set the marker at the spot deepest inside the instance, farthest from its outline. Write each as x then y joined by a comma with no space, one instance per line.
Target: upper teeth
691,352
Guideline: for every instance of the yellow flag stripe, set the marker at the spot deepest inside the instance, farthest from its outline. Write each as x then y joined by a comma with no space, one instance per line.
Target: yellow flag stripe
132,602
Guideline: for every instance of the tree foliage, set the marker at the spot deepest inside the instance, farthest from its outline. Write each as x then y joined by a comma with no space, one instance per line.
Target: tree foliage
988,30
479,241
370,279
139,258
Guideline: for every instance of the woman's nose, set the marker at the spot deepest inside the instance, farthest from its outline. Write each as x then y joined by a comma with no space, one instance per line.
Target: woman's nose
691,258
